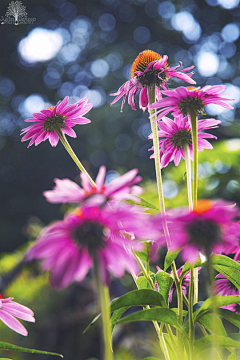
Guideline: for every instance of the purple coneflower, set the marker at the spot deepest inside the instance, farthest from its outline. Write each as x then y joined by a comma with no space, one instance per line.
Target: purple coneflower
208,228
184,100
223,286
175,134
60,118
122,188
69,247
149,68
10,309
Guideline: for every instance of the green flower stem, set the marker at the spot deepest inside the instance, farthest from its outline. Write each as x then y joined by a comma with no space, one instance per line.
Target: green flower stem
185,300
211,277
188,170
155,323
154,128
104,301
190,312
67,146
194,119
180,303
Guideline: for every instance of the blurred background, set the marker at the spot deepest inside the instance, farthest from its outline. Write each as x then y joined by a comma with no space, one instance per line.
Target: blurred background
86,48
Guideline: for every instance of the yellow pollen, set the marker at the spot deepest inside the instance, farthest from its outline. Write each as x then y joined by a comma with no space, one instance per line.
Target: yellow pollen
78,212
192,88
143,59
51,108
202,206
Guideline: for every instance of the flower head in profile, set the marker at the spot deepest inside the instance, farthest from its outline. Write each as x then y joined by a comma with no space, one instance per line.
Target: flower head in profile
224,287
9,310
121,188
184,100
54,120
209,228
175,134
149,68
68,247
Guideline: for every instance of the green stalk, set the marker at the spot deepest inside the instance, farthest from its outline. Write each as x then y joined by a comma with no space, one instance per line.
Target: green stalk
190,312
67,146
188,170
194,119
104,301
155,323
180,309
215,345
154,128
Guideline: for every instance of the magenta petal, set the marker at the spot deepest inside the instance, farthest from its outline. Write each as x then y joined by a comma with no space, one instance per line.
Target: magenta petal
101,177
19,314
12,323
65,191
85,262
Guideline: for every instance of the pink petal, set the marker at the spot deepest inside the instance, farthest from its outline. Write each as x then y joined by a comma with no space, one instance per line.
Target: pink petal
12,323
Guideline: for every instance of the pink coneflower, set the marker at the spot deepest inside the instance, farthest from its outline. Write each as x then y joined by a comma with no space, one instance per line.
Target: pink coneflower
59,118
224,287
208,228
10,309
149,68
175,134
68,247
122,188
184,100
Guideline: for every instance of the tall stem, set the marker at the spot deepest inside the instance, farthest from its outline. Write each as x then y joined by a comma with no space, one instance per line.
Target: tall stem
190,312
151,100
104,301
73,156
194,119
188,170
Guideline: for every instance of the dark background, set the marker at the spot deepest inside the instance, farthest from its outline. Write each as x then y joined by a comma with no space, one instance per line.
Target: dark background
100,40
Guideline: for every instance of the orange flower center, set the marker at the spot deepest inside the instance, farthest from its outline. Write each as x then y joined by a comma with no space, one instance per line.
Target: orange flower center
142,61
202,206
51,108
192,88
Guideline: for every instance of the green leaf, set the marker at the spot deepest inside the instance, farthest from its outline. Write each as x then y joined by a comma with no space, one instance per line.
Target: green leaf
116,315
145,254
207,342
230,316
212,322
164,315
187,268
176,311
169,258
209,304
231,273
147,358
143,203
225,261
7,346
232,357
142,297
147,204
164,281
91,323
142,283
